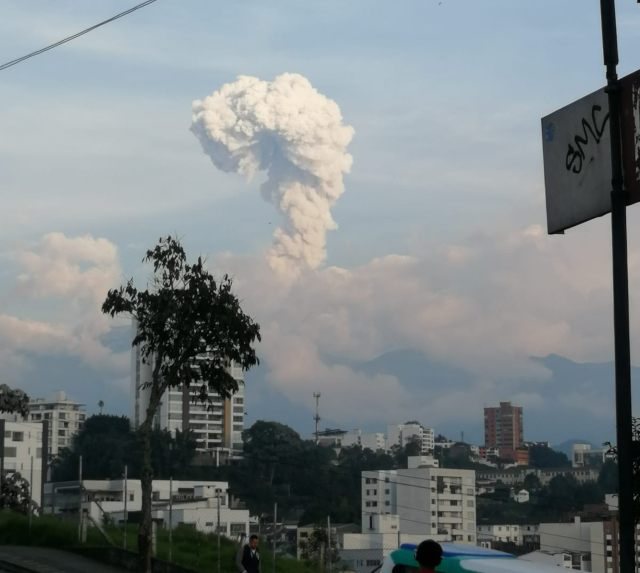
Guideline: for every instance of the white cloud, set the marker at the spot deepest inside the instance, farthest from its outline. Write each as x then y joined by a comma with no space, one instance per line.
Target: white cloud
486,305
65,279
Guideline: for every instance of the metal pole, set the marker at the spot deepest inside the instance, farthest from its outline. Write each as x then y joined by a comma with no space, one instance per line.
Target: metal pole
31,496
620,295
80,499
125,515
329,543
218,527
275,521
170,518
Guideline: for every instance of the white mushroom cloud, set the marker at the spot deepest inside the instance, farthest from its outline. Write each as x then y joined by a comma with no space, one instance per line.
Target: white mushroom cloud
294,133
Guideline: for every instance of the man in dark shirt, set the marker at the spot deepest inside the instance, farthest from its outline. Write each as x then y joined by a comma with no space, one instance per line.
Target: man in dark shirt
248,557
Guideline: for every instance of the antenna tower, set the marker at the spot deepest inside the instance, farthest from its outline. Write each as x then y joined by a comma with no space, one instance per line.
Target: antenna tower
316,395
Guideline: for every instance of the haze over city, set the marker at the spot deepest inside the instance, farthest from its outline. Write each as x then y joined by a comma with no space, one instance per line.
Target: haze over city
388,233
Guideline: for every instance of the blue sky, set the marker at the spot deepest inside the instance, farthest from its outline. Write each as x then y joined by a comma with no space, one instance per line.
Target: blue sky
441,244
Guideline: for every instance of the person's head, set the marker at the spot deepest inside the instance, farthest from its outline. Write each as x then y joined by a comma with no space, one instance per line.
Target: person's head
253,542
429,554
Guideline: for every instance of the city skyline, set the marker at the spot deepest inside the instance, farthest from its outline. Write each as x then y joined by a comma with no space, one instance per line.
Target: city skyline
440,248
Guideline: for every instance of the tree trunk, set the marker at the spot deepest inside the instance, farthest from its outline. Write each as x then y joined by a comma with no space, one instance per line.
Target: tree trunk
145,545
146,482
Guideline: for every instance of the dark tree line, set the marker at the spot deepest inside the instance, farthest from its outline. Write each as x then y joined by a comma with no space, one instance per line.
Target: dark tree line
107,444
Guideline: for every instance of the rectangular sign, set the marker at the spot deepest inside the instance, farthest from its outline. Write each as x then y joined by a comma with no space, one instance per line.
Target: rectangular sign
577,156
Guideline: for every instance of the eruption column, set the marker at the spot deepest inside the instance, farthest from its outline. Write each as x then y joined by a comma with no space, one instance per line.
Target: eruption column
295,134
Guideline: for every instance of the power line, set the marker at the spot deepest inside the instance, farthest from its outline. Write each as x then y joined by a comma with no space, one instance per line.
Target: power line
74,36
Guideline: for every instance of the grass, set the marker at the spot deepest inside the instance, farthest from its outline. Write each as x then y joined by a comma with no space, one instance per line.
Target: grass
189,548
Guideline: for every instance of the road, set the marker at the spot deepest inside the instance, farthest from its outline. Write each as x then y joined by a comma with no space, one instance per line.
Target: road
22,559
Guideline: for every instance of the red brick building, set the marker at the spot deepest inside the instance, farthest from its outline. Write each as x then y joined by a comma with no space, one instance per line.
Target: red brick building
503,429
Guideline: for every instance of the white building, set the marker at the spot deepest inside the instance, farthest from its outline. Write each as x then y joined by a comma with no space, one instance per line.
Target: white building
22,452
507,533
422,462
403,434
65,418
196,503
217,426
374,441
591,544
432,502
583,455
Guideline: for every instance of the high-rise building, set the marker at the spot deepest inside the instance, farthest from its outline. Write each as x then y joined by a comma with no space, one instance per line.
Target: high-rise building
65,418
403,434
432,502
217,425
503,429
23,450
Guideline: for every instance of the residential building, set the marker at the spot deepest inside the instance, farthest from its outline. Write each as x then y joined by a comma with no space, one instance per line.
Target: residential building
331,438
193,503
403,434
515,476
373,441
217,426
422,462
589,543
503,429
21,450
583,455
65,416
429,501
521,535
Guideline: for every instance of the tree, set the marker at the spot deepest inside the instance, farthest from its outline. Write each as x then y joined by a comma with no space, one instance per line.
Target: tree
189,329
14,493
13,401
14,489
545,457
316,548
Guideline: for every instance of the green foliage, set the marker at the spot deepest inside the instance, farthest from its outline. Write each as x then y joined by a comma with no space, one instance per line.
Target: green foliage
107,443
608,478
559,500
308,482
185,316
545,457
14,493
190,548
189,329
317,548
13,401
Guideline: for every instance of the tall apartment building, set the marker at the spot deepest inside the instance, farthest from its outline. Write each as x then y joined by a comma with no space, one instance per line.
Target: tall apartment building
403,434
21,450
217,426
432,502
65,418
503,429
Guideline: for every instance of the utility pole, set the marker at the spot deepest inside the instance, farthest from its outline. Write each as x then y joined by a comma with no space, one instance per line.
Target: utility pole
620,294
275,522
80,499
30,495
125,514
170,518
329,553
316,395
218,526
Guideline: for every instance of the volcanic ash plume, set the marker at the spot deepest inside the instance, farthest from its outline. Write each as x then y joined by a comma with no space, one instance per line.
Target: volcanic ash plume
294,133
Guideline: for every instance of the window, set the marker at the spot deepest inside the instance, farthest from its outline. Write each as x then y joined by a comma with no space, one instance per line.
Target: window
62,416
10,452
18,436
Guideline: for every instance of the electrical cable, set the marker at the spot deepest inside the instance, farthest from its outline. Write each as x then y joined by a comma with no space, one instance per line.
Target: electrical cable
74,36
